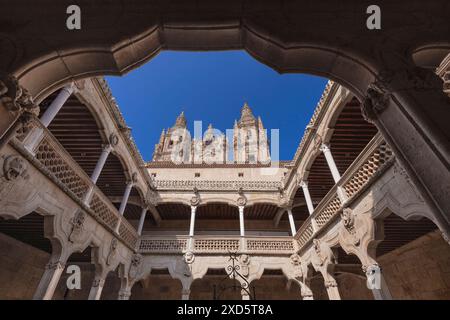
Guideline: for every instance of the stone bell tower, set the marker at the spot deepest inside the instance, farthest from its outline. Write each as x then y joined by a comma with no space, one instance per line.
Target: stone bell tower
250,143
171,145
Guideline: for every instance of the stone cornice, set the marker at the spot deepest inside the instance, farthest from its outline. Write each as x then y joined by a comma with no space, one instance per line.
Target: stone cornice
123,129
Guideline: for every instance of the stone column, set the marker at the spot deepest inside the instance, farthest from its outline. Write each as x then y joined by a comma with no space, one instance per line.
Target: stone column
309,203
377,283
185,293
192,227
36,134
124,294
142,220
57,104
97,287
241,221
410,109
49,280
325,148
332,289
125,197
291,222
98,169
305,291
245,295
123,204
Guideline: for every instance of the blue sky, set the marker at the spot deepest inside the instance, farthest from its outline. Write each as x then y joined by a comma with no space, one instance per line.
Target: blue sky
212,87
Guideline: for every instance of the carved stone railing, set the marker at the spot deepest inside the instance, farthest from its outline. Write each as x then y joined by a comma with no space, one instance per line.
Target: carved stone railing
56,163
216,245
370,164
217,185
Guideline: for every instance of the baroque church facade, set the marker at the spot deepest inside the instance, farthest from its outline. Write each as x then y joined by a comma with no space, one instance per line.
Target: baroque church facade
247,143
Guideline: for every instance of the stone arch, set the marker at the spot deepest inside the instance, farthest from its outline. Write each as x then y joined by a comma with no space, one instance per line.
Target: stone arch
119,57
430,55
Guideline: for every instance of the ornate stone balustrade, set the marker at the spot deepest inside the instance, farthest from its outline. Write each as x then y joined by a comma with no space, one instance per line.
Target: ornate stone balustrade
188,185
372,161
217,245
56,163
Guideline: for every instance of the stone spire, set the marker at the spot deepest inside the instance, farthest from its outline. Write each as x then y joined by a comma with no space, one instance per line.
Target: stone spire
260,124
246,115
181,121
162,136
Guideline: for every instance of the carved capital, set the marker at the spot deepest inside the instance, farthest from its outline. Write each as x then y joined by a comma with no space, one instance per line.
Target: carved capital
195,200
14,97
375,102
54,265
113,139
331,284
124,294
241,201
189,257
98,282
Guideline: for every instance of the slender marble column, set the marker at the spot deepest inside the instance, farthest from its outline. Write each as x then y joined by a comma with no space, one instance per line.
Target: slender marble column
291,222
142,220
332,289
377,283
97,171
334,170
49,280
125,197
330,161
36,134
241,221
309,203
97,287
192,226
57,104
185,293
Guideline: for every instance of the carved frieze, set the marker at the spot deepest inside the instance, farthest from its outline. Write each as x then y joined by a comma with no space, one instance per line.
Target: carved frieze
348,221
14,97
14,167
112,252
375,102
135,266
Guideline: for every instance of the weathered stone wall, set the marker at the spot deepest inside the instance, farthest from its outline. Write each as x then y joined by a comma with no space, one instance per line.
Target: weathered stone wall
353,287
419,269
21,268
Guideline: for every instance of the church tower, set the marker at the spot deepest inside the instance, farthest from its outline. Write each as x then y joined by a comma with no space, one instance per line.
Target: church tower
250,138
174,144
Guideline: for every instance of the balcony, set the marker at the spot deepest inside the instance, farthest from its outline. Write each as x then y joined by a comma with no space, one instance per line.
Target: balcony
216,245
56,163
376,157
